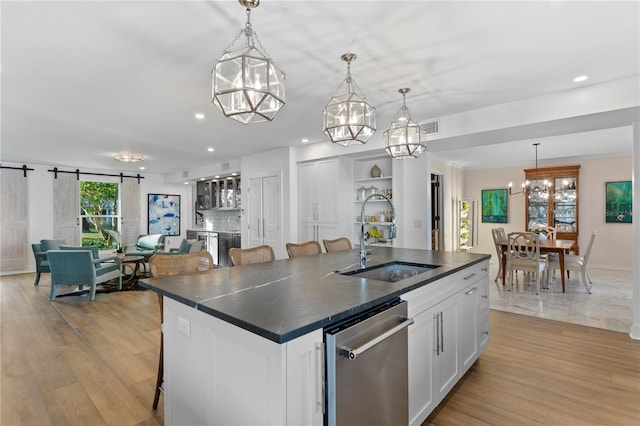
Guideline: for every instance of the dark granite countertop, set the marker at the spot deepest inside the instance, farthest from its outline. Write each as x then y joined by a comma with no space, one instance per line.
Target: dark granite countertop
288,298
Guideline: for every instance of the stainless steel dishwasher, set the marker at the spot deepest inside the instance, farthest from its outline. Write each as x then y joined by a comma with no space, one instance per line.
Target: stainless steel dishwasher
367,371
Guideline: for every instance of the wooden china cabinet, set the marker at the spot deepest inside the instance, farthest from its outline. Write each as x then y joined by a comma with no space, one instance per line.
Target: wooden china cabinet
560,208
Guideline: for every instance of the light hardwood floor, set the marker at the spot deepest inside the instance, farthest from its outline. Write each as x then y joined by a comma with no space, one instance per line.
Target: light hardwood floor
75,362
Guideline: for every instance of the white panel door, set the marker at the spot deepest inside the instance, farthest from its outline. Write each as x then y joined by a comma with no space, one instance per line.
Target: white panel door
327,182
254,207
66,208
271,211
14,217
264,212
308,207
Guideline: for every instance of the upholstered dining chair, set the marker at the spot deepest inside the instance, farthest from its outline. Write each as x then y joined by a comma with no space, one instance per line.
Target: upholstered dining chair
165,266
80,268
259,254
308,248
499,236
524,255
573,262
339,244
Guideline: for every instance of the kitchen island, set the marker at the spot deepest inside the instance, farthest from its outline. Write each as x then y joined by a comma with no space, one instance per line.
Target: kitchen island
244,345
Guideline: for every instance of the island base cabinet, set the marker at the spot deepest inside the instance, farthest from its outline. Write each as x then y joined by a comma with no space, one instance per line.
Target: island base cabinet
448,335
235,377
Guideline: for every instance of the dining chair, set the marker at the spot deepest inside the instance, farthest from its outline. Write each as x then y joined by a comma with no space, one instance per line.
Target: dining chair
573,262
499,235
524,255
550,232
165,266
259,254
339,244
308,248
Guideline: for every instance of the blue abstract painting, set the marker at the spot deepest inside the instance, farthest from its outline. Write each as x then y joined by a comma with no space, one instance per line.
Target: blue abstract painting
164,214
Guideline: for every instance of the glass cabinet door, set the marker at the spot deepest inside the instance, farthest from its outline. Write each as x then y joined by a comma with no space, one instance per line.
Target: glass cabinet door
538,208
565,204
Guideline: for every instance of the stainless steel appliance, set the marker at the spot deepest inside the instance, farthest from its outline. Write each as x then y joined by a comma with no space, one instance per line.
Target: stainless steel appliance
367,371
210,240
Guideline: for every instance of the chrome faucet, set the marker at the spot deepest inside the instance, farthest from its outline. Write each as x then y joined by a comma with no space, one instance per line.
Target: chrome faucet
392,231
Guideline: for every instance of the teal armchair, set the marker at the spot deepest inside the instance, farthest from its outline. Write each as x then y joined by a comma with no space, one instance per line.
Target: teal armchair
40,254
186,246
146,246
79,267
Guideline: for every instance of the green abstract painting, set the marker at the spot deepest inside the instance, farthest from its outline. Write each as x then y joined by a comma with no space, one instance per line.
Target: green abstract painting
494,205
618,202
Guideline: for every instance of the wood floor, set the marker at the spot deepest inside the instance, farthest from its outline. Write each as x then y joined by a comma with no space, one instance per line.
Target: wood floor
75,362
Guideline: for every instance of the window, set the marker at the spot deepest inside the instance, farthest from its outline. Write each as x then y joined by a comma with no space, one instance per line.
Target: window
100,213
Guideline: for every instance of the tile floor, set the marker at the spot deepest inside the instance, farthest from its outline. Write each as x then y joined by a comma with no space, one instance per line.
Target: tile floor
608,307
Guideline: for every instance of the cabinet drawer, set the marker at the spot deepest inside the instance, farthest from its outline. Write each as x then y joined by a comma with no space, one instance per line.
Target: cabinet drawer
483,331
476,272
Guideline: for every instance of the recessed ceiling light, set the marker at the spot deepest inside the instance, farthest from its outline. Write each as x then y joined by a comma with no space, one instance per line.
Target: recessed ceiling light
199,116
201,178
210,149
217,176
580,78
234,174
186,183
141,167
305,140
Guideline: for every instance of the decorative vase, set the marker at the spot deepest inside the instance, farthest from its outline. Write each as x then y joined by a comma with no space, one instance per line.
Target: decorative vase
375,171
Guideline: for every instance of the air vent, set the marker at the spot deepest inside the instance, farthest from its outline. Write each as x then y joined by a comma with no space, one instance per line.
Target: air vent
226,167
432,127
185,174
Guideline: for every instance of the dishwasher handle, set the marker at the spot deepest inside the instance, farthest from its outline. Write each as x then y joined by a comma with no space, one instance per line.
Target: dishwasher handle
352,354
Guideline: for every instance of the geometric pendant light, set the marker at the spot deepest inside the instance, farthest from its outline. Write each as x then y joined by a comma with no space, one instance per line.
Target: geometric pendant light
247,86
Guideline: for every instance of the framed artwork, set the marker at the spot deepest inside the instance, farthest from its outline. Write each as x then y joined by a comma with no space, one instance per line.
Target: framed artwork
618,198
494,205
164,214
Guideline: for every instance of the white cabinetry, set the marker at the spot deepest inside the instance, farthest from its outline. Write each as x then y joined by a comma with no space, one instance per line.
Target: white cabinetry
319,194
264,212
450,329
232,376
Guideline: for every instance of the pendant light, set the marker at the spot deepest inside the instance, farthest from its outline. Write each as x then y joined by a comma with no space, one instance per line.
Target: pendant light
539,191
247,86
348,118
404,138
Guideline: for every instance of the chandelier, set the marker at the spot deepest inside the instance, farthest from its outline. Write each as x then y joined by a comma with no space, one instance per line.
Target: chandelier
404,138
246,84
348,118
536,190
127,157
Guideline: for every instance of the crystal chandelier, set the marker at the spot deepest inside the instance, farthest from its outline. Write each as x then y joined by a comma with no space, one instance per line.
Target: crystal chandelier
246,84
127,157
536,190
404,138
348,118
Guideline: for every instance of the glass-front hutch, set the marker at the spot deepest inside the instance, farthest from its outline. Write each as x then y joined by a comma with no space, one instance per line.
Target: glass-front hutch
559,206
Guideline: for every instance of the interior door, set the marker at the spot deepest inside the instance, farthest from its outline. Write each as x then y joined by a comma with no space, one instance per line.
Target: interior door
14,217
66,208
254,206
129,211
264,212
271,212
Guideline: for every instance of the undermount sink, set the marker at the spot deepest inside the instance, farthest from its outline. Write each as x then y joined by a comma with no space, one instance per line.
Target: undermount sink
391,271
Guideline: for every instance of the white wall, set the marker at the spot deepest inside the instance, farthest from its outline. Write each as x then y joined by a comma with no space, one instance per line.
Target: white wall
613,246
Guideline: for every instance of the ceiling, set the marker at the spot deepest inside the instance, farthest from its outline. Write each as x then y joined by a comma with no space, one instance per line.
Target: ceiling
81,81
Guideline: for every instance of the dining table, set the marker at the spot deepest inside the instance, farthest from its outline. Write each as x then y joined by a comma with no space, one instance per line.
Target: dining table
546,246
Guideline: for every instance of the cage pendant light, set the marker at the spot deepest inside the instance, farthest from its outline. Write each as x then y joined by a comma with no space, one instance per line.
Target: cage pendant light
348,118
404,138
247,86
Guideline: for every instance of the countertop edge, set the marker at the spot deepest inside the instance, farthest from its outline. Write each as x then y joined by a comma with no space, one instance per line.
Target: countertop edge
315,325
